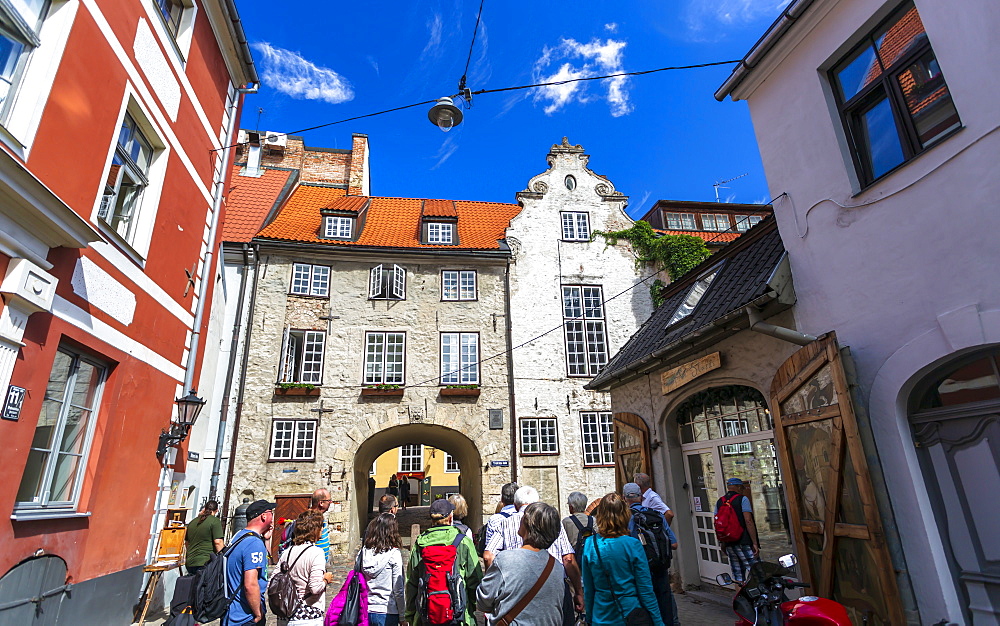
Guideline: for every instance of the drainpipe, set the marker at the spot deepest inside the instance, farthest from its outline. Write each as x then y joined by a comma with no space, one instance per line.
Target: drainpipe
220,439
510,377
785,334
243,378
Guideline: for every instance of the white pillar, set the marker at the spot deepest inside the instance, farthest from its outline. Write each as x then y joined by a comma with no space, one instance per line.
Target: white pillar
26,289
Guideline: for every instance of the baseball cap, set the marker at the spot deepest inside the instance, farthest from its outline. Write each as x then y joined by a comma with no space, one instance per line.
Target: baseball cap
631,490
441,508
258,508
735,481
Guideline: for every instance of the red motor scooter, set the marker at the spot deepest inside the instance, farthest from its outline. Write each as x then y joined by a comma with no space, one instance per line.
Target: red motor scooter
762,601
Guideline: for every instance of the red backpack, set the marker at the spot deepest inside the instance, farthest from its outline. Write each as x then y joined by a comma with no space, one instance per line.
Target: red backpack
728,528
441,595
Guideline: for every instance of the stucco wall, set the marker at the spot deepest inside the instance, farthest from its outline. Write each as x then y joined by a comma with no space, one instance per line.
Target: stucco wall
905,270
542,263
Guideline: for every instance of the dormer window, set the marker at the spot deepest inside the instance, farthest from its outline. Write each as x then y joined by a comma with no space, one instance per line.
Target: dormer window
338,227
442,233
694,295
575,226
387,283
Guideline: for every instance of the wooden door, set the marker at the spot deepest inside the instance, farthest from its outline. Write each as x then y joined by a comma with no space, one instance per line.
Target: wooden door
631,448
289,507
835,521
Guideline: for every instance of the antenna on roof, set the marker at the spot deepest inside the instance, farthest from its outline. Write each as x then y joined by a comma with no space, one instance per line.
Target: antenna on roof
260,111
719,184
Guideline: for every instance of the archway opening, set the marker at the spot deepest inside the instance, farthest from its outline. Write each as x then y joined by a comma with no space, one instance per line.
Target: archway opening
446,444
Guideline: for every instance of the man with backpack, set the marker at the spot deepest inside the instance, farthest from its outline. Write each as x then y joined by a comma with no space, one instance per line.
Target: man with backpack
578,524
442,574
246,567
736,530
650,527
493,524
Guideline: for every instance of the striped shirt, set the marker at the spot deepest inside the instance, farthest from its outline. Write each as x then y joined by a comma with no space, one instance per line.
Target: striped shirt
324,541
496,519
506,538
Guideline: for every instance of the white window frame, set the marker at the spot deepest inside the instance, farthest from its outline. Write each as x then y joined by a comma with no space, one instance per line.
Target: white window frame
386,283
301,445
575,225
338,227
23,25
376,358
40,502
441,233
680,221
302,356
372,471
584,330
597,435
694,295
539,433
459,285
459,358
310,280
408,455
746,222
132,162
451,465
715,222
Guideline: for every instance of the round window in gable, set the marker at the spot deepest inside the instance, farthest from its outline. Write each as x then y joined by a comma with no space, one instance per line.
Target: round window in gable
570,183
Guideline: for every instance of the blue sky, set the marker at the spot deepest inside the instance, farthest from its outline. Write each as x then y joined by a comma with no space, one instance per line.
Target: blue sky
660,136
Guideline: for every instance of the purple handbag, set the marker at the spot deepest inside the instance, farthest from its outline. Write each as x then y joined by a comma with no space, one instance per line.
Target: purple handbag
350,607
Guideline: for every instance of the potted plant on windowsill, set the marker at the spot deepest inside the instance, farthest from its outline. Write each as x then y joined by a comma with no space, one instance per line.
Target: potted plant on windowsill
295,389
463,391
382,390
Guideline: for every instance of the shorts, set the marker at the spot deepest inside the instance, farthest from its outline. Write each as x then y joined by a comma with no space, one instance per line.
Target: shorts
741,557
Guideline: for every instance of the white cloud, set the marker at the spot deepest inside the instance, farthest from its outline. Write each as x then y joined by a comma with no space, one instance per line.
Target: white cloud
373,62
705,17
435,26
448,148
292,75
579,60
611,27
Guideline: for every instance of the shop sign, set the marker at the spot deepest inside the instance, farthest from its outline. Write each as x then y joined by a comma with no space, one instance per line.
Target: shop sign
683,374
12,403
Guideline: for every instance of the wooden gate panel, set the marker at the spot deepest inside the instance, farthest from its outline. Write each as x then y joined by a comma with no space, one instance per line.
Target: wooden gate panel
288,507
835,521
632,454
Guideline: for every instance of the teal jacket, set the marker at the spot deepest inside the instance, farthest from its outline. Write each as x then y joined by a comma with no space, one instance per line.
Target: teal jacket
626,568
468,568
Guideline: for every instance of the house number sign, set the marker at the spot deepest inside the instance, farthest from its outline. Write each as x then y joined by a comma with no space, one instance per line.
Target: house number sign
12,402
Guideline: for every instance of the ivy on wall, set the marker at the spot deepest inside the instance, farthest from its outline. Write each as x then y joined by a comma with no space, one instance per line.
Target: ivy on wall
675,254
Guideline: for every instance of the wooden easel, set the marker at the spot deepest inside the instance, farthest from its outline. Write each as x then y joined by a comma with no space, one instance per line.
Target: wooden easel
169,555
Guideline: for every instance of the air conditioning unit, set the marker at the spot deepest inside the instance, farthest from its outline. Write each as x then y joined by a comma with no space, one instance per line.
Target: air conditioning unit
276,142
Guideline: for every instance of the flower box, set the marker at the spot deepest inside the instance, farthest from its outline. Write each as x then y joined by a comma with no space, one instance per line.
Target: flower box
296,391
369,392
461,392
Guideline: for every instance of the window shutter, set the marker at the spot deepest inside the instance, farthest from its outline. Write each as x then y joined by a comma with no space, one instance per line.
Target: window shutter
398,282
375,282
284,366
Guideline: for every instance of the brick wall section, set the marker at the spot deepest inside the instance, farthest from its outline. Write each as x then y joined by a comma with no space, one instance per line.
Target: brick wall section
319,165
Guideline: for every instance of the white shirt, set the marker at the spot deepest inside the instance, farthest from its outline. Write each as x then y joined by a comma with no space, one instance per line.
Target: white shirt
652,500
494,522
506,538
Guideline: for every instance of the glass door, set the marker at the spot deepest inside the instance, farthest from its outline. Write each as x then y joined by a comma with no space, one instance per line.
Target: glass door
704,481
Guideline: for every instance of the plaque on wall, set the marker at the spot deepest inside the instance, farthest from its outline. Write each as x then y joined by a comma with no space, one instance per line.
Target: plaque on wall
12,403
496,419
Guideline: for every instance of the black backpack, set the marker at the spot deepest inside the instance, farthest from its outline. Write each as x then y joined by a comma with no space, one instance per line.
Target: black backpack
282,596
481,535
651,530
583,533
210,593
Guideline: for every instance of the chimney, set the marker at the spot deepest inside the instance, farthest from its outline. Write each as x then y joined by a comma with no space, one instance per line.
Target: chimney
253,155
358,182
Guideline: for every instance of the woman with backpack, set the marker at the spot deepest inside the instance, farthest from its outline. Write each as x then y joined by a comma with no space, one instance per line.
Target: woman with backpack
306,564
203,537
383,570
617,586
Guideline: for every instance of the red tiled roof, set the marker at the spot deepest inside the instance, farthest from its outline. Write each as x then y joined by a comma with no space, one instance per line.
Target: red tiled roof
249,201
439,208
347,203
708,236
390,222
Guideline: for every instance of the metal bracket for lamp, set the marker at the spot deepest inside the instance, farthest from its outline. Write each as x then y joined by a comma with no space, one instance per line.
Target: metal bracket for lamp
170,439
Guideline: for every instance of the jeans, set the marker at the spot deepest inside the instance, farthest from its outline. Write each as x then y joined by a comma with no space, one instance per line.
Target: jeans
665,598
383,619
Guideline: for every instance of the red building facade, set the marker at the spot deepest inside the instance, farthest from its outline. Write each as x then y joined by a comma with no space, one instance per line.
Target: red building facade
113,167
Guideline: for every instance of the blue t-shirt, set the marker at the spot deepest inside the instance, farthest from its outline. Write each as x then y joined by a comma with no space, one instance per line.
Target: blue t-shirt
250,554
638,508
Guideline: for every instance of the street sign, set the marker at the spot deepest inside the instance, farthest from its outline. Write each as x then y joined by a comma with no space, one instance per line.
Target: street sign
193,456
499,463
12,403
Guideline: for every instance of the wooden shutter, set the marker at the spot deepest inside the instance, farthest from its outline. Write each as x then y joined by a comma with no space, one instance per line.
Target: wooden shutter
834,518
631,448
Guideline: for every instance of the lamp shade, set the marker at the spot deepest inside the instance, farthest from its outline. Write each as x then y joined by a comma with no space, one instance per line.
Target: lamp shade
188,408
445,115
